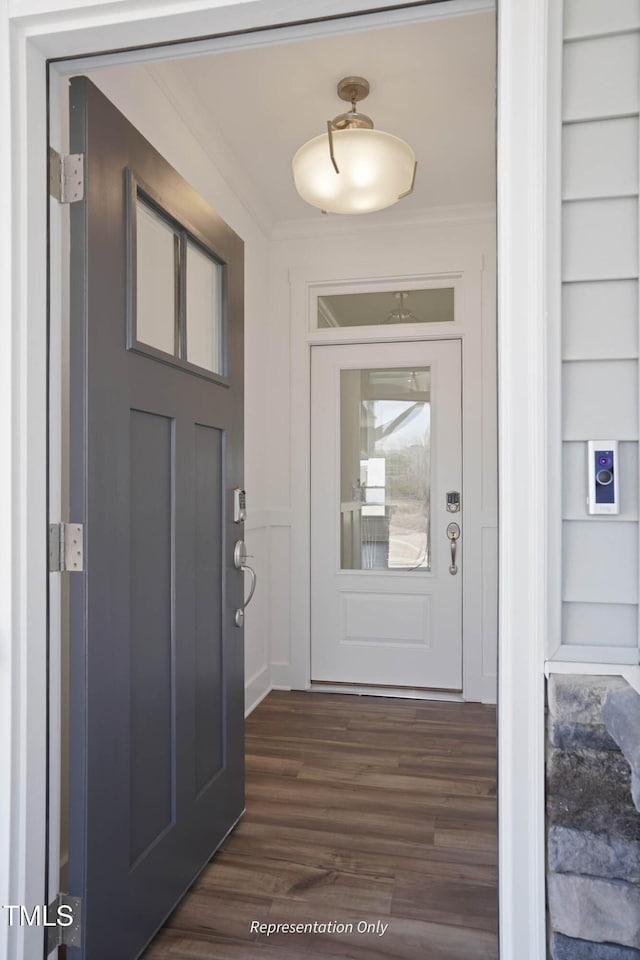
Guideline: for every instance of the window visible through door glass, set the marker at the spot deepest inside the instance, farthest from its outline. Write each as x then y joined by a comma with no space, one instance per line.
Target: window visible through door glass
385,469
156,272
204,310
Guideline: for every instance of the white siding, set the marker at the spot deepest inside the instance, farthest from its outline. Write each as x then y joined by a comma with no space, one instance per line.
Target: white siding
604,562
601,77
590,17
600,239
599,184
592,624
612,149
600,400
600,320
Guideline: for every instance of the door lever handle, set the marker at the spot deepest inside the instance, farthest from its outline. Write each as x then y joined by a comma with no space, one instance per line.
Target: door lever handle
239,556
453,533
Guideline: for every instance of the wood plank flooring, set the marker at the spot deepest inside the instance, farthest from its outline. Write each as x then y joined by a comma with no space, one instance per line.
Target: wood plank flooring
359,810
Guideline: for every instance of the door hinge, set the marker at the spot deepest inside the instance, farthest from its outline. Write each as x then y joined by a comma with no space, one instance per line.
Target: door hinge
66,547
64,922
66,176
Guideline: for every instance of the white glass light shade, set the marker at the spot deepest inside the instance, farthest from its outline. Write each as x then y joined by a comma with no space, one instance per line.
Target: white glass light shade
375,169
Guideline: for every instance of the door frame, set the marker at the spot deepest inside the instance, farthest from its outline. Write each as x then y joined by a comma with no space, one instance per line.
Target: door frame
35,30
467,273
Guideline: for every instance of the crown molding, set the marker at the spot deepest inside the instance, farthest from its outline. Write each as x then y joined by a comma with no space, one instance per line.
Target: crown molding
335,224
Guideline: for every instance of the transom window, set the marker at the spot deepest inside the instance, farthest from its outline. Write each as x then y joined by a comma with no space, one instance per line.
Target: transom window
385,308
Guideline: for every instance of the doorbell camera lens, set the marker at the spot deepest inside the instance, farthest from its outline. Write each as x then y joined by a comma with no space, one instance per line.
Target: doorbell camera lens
604,477
604,461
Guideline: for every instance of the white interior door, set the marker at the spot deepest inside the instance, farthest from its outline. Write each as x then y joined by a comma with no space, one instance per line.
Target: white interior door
386,432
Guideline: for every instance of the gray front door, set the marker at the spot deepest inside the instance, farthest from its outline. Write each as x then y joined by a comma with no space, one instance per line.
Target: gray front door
156,439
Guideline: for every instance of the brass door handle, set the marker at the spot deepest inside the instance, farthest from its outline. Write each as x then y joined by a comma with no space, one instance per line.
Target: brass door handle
453,533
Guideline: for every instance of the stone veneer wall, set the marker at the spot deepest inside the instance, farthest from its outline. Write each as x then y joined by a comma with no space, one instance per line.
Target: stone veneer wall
593,778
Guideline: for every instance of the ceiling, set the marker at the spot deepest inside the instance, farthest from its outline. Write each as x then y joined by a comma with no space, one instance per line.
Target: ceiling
432,83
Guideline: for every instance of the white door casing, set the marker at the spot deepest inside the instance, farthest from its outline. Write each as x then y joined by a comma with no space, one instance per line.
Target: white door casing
386,611
29,33
454,256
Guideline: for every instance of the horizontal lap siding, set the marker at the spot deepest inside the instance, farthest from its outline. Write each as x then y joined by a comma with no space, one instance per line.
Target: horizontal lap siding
600,256
600,239
600,320
612,149
588,18
604,562
600,400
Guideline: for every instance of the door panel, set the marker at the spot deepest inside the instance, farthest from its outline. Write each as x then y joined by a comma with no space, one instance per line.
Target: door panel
156,661
208,686
152,634
385,451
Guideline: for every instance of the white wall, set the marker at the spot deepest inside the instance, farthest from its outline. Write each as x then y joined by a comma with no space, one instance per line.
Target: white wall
599,321
335,250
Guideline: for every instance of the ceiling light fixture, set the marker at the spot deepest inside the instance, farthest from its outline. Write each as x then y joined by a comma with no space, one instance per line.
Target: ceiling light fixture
401,314
354,168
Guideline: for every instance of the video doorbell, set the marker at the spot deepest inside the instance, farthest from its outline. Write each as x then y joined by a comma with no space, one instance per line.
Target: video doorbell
602,477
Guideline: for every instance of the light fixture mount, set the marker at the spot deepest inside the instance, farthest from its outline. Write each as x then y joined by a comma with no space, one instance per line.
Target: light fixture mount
352,89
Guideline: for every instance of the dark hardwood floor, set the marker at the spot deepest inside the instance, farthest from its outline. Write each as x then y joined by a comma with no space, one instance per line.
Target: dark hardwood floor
359,810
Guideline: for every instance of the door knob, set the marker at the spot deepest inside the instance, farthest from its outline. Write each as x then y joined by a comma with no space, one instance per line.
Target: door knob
240,555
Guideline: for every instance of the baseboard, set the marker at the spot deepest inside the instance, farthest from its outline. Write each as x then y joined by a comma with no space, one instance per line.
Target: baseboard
256,690
281,676
489,690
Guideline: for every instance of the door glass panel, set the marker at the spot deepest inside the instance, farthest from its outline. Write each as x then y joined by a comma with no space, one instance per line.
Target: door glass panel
156,294
433,305
385,461
204,309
